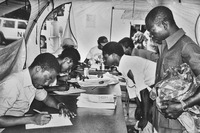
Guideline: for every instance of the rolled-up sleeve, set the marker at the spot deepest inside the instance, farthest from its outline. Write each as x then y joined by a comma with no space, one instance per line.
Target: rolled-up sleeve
41,94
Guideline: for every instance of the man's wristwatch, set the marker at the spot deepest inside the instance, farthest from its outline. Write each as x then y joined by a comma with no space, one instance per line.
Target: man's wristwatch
60,105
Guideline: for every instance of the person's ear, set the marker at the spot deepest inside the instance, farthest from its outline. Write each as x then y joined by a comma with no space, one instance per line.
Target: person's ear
38,68
115,56
66,59
165,25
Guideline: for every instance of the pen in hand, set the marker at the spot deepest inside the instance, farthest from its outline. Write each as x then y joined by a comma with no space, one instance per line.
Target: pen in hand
41,118
37,111
40,112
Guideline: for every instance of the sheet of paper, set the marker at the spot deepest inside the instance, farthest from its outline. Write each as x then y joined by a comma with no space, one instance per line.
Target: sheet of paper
97,82
70,91
87,104
108,98
56,121
96,101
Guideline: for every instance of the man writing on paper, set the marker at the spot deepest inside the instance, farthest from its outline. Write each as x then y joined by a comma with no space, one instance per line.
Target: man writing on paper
18,90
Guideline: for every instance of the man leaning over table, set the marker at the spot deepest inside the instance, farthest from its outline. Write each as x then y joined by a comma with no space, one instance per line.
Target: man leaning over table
18,90
139,74
68,61
94,56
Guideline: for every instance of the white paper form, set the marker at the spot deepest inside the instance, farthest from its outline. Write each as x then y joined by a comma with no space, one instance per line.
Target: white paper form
70,91
96,101
56,121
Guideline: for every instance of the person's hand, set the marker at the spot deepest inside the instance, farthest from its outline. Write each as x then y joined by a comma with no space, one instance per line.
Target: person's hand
138,113
138,37
142,123
75,84
64,87
173,110
63,110
64,77
42,119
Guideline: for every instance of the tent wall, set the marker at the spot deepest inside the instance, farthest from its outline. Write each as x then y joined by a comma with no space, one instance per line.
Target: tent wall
39,13
93,18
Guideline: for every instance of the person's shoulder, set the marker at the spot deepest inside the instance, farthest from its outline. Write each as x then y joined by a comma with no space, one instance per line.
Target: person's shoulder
94,48
145,51
10,84
17,77
12,79
187,42
130,58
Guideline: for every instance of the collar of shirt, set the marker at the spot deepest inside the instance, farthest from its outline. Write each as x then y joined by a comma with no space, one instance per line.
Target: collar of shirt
27,79
171,40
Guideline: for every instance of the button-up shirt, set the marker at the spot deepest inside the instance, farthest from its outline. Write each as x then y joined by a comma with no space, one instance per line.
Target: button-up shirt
176,50
17,94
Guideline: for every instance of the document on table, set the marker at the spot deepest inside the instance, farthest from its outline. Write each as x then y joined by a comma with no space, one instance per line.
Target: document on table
56,121
96,101
72,90
107,98
97,82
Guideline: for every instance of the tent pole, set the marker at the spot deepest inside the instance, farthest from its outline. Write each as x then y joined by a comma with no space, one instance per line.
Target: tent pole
111,22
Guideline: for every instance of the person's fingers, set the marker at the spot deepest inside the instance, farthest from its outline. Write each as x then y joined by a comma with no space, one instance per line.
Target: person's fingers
44,113
163,107
61,112
71,114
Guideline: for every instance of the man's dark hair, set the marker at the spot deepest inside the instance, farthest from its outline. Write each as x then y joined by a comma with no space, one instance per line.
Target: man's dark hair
159,14
47,62
127,42
102,39
71,53
113,47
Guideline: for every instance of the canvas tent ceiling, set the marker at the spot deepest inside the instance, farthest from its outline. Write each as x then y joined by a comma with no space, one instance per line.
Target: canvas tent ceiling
185,12
7,6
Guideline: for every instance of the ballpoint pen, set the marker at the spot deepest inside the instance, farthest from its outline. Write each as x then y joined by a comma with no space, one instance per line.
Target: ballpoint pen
39,112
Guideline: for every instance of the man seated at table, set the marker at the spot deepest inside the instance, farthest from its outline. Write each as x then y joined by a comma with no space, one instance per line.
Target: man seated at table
94,56
68,60
139,74
18,90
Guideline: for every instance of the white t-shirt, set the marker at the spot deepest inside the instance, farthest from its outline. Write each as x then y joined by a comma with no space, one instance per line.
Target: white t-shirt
95,54
143,71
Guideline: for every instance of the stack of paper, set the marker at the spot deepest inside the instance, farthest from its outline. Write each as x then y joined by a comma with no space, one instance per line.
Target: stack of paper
97,101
